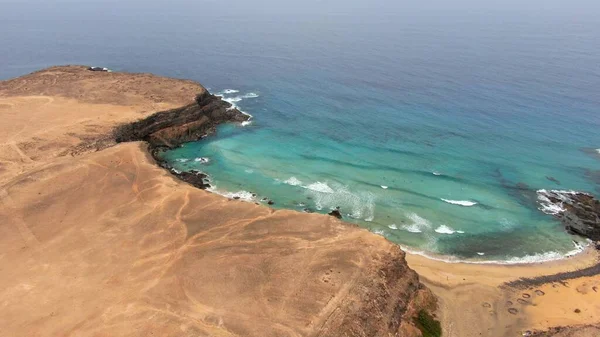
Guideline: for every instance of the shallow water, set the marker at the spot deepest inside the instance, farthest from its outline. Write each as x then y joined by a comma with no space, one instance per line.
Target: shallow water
432,129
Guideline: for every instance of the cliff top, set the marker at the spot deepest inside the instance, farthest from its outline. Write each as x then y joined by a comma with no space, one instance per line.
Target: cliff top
119,88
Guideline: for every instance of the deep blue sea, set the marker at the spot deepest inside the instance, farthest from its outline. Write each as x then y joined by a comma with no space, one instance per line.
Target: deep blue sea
431,126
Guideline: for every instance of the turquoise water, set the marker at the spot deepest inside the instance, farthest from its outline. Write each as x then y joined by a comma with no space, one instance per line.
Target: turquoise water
389,162
479,104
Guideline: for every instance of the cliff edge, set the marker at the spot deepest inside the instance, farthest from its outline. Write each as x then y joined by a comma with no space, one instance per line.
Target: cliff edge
99,240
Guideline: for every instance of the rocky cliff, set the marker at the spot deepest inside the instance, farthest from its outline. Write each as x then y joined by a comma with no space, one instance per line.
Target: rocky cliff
177,126
579,212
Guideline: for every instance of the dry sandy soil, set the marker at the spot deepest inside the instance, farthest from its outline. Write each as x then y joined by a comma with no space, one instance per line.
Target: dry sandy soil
97,240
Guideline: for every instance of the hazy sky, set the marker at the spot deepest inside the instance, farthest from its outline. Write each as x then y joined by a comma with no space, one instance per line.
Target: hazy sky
559,7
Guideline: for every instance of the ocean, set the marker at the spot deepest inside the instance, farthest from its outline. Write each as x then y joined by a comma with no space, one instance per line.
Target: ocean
432,127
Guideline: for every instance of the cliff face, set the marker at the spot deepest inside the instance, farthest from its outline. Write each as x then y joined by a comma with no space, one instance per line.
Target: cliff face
177,126
382,304
382,300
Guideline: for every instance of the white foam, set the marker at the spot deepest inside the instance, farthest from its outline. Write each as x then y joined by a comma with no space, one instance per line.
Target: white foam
320,187
356,204
384,187
443,229
436,173
480,254
202,160
412,228
393,226
542,257
293,181
176,171
249,171
460,232
250,95
236,99
243,195
182,160
466,203
549,207
422,223
229,91
598,150
527,259
379,232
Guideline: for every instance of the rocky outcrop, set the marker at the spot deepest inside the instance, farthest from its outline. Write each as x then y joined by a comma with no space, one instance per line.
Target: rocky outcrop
177,126
336,213
193,178
579,212
568,331
383,305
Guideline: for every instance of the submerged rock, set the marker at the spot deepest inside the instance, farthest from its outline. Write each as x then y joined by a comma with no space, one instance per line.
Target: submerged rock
579,212
336,213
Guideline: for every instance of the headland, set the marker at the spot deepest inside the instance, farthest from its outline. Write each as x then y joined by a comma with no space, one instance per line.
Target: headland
98,239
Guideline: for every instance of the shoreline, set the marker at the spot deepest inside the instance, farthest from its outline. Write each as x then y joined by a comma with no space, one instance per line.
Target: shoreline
103,241
152,234
202,180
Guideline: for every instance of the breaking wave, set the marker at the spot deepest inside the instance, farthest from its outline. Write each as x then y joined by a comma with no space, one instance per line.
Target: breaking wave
466,203
412,228
293,181
236,99
242,195
443,229
527,259
229,91
320,187
418,224
555,206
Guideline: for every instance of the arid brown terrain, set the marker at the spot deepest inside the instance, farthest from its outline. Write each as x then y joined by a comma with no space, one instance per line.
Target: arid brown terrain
97,240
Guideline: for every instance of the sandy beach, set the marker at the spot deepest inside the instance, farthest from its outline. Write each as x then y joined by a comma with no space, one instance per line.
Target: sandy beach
98,240
475,300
